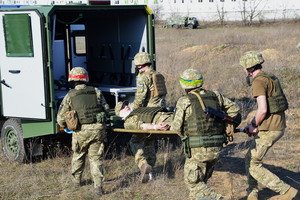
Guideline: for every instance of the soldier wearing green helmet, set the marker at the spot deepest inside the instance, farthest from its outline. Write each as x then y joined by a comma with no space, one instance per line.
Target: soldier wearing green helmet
267,127
151,92
202,137
89,137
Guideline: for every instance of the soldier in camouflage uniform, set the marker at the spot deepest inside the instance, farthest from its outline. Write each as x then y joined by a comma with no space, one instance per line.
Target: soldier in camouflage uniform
146,94
267,127
202,138
151,92
90,136
143,146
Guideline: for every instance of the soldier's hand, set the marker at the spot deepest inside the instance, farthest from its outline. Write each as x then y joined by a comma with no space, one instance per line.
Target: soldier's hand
162,126
251,130
229,129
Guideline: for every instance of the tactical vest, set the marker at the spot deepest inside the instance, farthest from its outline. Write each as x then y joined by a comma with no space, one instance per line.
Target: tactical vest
202,131
159,84
145,114
85,103
277,102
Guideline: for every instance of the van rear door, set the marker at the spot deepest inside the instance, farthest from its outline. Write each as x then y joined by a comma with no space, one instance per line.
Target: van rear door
23,64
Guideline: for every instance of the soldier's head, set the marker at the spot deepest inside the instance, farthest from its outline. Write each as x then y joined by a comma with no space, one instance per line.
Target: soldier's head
122,109
191,79
142,60
78,74
251,61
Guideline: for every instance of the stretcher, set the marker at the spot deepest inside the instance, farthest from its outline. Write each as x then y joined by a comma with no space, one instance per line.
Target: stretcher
147,132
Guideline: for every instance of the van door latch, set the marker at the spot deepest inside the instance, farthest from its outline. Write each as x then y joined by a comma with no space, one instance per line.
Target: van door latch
4,83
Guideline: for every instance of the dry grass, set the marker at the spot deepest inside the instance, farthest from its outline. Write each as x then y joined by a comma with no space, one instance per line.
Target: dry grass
215,52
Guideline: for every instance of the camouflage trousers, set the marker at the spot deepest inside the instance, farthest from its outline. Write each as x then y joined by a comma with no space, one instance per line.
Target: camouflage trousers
143,148
198,169
88,141
256,173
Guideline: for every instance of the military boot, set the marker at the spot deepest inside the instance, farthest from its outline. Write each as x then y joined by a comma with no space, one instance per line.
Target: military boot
253,195
77,185
151,176
145,170
76,182
205,199
289,195
210,198
99,191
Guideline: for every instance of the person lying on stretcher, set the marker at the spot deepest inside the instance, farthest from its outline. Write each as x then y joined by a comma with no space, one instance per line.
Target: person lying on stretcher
144,118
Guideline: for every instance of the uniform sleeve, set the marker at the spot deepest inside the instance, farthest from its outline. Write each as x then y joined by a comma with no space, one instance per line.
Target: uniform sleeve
181,112
63,108
143,87
101,100
228,106
132,123
259,87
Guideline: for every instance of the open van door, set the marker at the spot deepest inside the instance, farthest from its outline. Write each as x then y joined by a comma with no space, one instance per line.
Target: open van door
78,45
23,64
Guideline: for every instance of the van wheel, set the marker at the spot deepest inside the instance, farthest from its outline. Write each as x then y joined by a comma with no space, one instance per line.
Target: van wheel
175,26
12,140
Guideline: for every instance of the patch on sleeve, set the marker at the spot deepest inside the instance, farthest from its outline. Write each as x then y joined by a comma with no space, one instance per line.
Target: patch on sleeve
140,87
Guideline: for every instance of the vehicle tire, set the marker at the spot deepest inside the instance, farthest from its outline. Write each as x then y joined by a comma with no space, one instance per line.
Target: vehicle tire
12,140
175,26
190,26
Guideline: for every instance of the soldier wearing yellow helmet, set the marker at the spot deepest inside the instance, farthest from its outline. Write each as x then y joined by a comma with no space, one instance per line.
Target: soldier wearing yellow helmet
88,138
267,127
202,138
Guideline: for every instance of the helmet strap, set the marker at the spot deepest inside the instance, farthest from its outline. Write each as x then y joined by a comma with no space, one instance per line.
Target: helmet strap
248,80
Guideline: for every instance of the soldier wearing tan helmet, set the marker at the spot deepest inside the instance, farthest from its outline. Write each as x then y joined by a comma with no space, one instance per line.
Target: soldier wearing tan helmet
267,127
202,137
89,136
151,92
151,89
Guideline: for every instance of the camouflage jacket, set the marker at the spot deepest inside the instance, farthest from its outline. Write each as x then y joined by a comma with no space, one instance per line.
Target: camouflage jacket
133,122
143,97
66,104
183,110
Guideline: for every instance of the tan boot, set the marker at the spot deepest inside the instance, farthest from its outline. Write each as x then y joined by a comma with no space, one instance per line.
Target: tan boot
289,195
145,170
253,195
99,191
76,182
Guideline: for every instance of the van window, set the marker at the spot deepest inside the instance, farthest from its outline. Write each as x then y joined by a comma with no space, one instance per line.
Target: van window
80,48
18,35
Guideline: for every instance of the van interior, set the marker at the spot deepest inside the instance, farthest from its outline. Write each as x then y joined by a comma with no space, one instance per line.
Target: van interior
104,42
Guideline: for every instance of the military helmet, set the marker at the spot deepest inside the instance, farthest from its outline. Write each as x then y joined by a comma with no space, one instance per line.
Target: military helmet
190,79
142,58
250,59
119,107
78,74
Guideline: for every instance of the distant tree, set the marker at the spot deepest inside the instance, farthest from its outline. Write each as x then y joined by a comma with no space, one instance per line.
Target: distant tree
250,9
157,11
221,12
